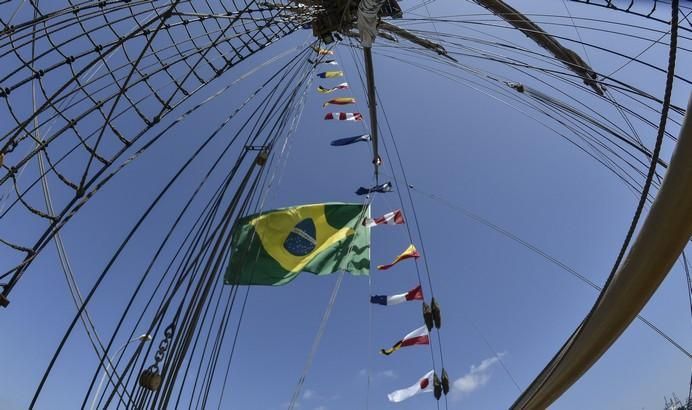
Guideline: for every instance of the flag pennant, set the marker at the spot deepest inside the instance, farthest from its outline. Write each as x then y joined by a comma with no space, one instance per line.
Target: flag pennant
392,218
423,385
331,74
323,52
344,116
410,252
417,337
273,247
382,188
340,101
322,90
350,140
413,294
330,62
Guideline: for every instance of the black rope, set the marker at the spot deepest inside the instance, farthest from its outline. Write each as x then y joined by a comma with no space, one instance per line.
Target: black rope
557,359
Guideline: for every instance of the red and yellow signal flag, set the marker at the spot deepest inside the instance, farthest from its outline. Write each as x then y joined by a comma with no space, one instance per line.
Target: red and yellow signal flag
410,252
416,337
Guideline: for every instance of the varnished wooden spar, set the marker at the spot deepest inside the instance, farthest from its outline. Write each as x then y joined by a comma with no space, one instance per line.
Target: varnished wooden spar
545,40
663,236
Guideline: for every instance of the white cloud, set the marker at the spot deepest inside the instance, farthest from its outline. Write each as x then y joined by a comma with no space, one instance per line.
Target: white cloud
477,376
308,394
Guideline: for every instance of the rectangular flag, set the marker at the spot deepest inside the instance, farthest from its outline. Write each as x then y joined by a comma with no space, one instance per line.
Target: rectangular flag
350,140
413,294
392,218
424,384
417,337
273,247
331,74
344,116
410,252
322,90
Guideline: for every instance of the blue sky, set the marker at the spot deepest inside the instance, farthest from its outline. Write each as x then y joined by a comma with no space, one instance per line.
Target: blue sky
499,300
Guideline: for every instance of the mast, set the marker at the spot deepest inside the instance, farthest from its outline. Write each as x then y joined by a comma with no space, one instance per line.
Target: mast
372,105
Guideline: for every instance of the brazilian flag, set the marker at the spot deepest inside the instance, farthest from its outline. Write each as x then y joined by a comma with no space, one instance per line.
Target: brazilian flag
273,247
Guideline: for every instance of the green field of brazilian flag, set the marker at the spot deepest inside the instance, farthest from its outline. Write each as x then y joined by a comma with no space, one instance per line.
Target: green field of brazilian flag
273,247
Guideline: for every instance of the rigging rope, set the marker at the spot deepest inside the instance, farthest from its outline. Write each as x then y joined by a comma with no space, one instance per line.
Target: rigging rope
554,363
686,267
170,183
552,259
264,32
408,229
573,112
325,319
659,140
200,304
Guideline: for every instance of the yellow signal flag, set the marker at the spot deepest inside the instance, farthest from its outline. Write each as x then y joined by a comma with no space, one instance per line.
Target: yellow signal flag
331,74
340,101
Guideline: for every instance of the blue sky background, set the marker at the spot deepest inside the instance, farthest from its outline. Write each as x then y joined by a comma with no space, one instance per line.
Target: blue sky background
498,299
